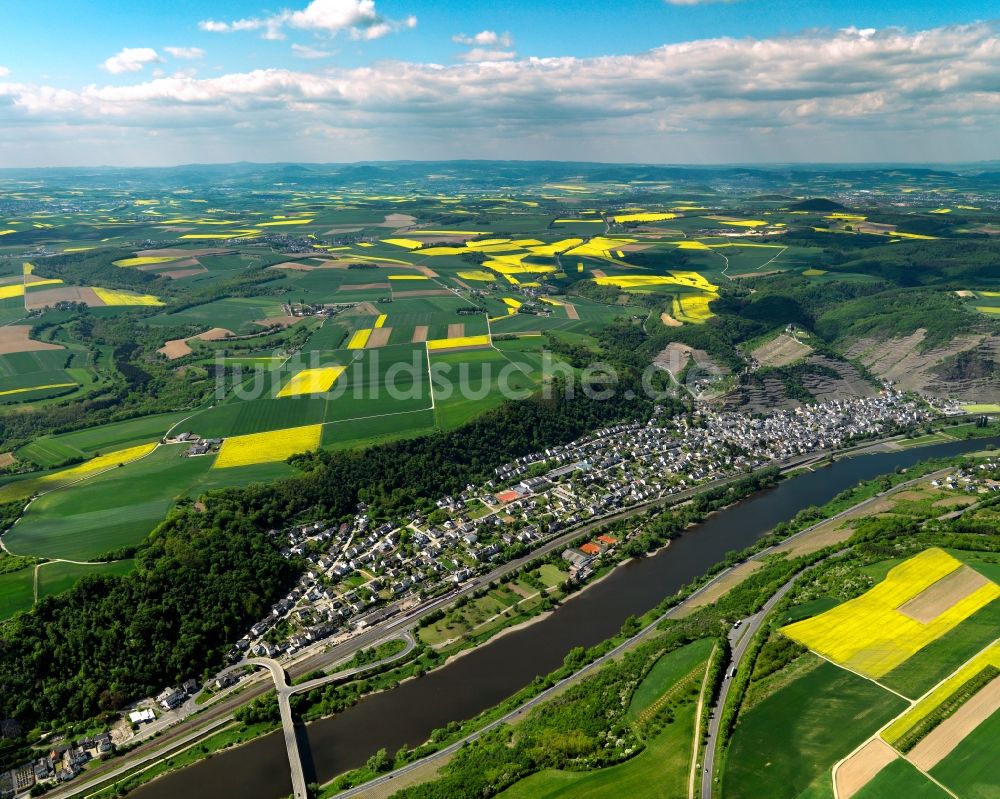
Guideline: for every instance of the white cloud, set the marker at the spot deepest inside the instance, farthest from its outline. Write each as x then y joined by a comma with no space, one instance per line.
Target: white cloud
484,39
231,27
485,46
187,53
482,55
328,17
4,72
302,51
852,94
131,59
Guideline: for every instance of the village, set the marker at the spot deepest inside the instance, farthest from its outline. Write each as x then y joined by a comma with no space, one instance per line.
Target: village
361,572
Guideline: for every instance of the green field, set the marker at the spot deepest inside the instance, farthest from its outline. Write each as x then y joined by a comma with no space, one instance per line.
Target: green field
898,779
50,450
120,507
801,730
56,577
940,658
16,592
468,383
668,670
660,771
972,769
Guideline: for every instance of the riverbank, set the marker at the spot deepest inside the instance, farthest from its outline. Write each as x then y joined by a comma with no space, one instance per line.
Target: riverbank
482,677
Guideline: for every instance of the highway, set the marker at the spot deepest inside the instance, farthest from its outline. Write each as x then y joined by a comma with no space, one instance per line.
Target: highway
739,642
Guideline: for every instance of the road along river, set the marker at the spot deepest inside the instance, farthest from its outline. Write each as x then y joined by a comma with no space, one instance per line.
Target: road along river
485,676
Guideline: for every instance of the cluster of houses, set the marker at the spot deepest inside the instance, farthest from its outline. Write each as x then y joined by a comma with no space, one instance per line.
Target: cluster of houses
60,764
361,572
196,444
983,478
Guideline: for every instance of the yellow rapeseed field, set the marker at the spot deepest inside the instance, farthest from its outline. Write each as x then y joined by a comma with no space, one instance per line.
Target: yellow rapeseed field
100,463
145,260
556,247
744,222
311,381
285,222
270,447
486,277
600,247
645,217
8,292
870,635
359,339
381,320
112,297
406,244
461,341
693,308
988,657
26,488
35,388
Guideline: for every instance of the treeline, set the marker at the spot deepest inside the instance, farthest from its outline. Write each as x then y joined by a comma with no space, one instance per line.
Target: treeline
141,382
199,584
205,576
97,268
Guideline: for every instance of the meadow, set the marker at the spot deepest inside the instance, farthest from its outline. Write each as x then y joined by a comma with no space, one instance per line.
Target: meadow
801,730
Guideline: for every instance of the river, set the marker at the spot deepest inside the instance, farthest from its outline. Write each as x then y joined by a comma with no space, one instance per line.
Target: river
485,676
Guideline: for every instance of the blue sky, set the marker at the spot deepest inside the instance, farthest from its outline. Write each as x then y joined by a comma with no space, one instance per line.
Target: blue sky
667,81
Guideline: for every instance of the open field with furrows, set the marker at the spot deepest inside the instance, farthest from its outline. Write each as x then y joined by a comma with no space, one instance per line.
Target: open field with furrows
16,592
792,738
900,778
971,769
121,506
875,634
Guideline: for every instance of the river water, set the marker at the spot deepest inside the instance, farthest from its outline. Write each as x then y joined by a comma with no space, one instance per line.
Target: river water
485,676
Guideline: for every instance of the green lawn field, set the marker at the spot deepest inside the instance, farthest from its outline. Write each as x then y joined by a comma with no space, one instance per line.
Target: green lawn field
122,506
900,779
16,592
781,745
972,770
